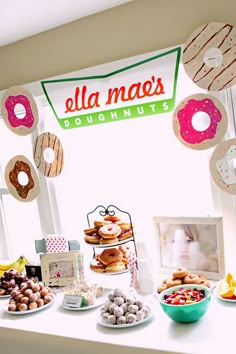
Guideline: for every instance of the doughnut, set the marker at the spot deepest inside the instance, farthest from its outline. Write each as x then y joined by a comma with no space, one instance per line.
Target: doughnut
161,288
123,249
48,141
111,255
105,241
180,273
183,121
191,279
119,300
94,239
19,95
121,320
110,231
91,231
97,267
100,223
205,282
115,267
173,282
125,235
23,193
112,218
224,176
124,225
213,35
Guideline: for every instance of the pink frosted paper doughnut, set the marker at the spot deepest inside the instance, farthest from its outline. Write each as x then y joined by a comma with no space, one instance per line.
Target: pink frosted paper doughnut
213,35
183,116
19,95
51,141
224,176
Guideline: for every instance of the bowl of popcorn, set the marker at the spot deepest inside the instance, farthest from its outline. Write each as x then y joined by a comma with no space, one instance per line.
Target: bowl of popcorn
186,302
124,309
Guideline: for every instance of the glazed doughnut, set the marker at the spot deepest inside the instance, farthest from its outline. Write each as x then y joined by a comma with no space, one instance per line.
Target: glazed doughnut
110,231
94,239
111,255
115,267
173,282
123,249
100,223
23,193
112,218
125,235
224,176
125,226
125,261
48,141
185,113
212,35
91,231
191,279
104,241
180,273
161,288
97,267
19,95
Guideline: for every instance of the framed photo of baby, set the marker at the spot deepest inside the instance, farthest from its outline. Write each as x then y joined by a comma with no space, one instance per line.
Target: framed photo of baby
194,243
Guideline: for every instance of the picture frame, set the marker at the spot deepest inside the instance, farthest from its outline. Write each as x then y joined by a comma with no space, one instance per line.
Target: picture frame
59,269
194,243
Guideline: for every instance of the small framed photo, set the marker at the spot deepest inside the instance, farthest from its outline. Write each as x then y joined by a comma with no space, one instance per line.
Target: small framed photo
59,269
194,243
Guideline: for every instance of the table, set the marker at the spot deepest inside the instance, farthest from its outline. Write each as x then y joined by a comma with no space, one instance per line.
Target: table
57,330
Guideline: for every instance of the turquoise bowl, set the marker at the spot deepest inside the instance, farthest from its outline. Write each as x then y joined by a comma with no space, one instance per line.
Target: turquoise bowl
185,313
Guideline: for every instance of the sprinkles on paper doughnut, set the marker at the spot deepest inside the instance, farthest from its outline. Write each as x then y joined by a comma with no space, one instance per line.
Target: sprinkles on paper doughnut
222,172
22,192
18,95
183,121
213,35
48,141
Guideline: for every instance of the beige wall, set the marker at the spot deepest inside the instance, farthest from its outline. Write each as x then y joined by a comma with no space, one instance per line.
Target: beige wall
134,28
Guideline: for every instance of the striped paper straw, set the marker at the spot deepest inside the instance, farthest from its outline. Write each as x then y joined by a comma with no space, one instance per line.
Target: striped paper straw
133,271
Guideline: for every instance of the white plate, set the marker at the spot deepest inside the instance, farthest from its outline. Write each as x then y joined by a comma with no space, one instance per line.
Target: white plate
104,324
100,301
4,296
103,245
29,311
221,298
110,273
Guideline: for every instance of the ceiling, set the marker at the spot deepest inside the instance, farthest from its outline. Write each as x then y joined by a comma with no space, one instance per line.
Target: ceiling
25,18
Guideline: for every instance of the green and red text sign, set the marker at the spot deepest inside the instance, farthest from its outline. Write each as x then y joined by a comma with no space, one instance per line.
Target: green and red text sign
143,88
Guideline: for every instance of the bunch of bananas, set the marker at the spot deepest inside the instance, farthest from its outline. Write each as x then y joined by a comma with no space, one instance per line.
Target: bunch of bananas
18,265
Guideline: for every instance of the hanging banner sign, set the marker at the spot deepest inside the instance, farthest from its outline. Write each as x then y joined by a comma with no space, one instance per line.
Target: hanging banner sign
143,88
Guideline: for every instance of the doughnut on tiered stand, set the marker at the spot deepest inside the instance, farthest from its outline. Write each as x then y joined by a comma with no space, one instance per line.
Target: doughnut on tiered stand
110,233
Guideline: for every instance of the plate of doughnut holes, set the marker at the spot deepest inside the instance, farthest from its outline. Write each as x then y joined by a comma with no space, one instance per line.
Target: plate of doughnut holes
111,260
109,231
183,276
124,309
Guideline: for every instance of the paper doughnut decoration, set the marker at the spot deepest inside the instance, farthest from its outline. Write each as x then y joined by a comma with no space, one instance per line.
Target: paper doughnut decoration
213,35
48,141
222,172
23,193
183,119
19,95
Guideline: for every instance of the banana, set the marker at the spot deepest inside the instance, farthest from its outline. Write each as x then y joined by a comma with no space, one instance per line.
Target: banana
18,265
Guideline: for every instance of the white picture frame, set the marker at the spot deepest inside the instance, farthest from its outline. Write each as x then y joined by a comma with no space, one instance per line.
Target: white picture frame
194,243
59,269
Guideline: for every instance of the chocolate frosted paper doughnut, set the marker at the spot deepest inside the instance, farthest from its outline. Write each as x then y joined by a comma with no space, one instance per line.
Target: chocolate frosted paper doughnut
222,172
22,192
51,141
213,35
18,95
200,107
